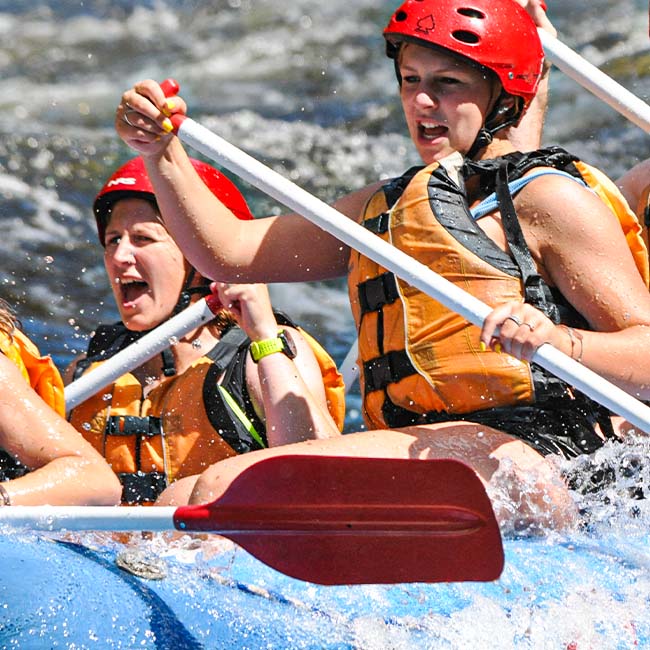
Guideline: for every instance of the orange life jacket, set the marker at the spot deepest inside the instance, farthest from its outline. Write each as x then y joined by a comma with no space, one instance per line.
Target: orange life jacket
186,423
419,359
40,372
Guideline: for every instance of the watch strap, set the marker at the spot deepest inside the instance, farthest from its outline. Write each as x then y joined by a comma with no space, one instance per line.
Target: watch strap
261,349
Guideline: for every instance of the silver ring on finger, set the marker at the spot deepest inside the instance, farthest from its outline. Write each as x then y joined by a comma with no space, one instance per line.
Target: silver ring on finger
514,319
530,326
125,118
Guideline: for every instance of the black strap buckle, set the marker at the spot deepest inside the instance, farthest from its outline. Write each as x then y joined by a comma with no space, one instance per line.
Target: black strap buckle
133,425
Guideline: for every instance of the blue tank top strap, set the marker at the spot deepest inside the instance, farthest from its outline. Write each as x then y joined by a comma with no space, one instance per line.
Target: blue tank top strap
490,203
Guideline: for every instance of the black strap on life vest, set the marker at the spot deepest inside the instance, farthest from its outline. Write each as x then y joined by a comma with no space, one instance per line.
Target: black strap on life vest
229,360
10,467
536,291
496,175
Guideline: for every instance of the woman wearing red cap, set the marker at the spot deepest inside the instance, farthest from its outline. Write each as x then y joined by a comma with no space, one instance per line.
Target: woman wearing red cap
206,397
549,256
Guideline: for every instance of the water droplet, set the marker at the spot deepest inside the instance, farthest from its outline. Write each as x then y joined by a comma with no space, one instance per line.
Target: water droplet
48,259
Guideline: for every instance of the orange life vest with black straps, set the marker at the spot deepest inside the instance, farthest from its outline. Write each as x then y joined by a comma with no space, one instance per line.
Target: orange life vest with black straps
41,374
186,423
419,359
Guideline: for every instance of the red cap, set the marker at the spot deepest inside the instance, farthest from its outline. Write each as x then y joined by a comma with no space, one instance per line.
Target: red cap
131,181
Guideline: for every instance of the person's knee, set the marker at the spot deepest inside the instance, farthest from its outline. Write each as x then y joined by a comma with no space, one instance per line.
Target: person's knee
178,493
531,498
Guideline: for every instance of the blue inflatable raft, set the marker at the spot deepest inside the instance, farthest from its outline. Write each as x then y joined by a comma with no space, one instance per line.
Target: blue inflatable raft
583,592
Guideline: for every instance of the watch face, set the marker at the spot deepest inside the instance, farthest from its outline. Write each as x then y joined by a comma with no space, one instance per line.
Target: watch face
289,345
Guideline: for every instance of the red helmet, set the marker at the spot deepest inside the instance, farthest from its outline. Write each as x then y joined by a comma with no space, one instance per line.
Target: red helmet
131,181
496,34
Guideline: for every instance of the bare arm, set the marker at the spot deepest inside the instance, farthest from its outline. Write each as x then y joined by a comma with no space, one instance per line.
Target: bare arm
68,373
527,135
66,469
288,394
633,183
287,248
580,248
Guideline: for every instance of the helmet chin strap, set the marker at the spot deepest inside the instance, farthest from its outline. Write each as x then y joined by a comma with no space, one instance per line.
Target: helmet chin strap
188,291
184,299
500,117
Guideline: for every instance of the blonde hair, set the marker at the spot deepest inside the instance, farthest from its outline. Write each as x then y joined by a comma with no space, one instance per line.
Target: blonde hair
223,320
8,321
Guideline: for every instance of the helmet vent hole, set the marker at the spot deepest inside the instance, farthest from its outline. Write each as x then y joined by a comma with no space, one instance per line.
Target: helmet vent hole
466,37
401,16
471,13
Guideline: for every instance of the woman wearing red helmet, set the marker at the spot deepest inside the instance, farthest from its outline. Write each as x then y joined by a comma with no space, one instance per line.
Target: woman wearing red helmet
205,398
549,255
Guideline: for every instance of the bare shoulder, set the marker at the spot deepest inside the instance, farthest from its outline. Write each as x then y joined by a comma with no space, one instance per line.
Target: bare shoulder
580,248
352,204
556,205
19,395
10,373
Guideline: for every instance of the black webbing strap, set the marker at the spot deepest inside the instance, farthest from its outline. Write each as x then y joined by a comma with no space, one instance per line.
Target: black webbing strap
387,369
141,487
377,292
534,286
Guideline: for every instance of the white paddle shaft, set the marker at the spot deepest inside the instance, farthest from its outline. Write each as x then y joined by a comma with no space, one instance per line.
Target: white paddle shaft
596,81
414,273
79,518
138,352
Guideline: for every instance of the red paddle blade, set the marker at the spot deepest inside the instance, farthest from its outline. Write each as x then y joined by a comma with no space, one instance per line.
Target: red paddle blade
341,520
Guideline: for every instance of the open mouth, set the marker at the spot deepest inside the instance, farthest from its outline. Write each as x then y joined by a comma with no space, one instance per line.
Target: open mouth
431,130
131,290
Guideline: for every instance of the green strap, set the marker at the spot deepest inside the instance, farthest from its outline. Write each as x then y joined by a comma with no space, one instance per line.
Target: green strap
243,418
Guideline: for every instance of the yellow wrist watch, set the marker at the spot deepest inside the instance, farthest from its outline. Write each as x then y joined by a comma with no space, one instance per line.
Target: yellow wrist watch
281,343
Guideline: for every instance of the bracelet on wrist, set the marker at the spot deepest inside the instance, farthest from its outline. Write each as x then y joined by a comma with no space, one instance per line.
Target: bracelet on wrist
5,499
576,338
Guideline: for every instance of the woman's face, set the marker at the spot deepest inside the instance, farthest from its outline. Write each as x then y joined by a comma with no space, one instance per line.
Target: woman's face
445,101
146,268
